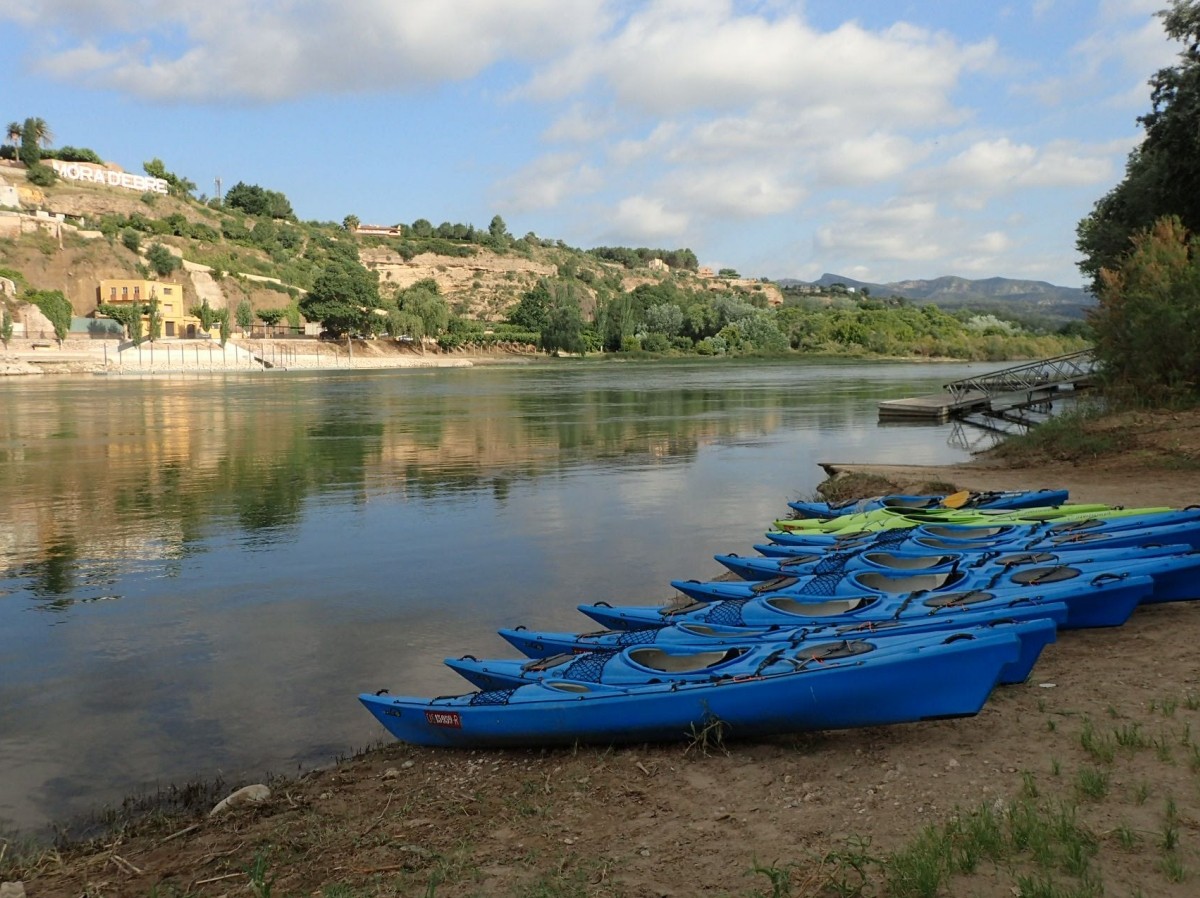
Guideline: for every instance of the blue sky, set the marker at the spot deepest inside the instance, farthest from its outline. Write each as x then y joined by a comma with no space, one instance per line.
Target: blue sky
883,141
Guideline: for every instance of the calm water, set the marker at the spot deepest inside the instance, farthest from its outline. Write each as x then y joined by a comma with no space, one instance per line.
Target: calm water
197,576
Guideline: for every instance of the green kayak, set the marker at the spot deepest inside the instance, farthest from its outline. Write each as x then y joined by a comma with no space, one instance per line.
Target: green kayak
892,518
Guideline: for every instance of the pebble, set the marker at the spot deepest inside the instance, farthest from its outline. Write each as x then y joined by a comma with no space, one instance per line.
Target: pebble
12,890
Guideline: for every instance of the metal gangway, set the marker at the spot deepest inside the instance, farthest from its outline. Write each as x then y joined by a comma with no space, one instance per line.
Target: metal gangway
1008,394
1069,371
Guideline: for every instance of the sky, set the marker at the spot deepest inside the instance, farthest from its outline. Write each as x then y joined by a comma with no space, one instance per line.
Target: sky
881,140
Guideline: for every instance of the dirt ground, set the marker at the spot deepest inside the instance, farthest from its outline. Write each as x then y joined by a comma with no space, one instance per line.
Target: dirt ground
1102,733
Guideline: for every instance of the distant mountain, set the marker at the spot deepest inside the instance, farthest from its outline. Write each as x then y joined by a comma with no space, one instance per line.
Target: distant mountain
992,294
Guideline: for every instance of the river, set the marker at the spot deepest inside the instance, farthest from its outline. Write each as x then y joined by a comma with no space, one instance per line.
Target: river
199,574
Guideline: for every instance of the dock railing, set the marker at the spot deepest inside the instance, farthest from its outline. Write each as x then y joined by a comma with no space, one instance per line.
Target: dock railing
1073,369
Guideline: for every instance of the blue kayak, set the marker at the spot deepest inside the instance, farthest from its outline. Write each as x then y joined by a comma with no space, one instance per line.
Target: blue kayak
1104,601
642,664
1171,527
948,677
769,567
1176,578
1004,500
543,643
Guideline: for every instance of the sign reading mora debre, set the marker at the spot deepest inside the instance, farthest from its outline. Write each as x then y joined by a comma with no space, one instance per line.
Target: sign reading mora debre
98,174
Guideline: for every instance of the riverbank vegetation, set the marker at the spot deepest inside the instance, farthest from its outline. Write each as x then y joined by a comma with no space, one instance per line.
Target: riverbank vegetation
409,281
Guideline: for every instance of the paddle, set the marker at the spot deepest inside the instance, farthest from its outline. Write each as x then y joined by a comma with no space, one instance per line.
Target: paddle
957,500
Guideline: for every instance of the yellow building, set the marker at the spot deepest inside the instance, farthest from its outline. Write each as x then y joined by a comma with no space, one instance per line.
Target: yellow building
176,321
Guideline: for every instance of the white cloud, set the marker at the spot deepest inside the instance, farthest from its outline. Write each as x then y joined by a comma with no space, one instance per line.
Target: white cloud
578,125
670,57
734,192
232,50
549,181
865,160
989,167
901,230
647,219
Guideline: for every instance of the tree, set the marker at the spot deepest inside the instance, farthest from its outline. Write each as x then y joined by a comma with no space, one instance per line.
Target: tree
12,135
271,317
245,315
498,234
351,223
255,200
424,300
131,239
342,297
56,307
1162,176
154,319
206,313
6,326
1149,310
664,318
162,260
41,175
177,185
42,132
532,311
30,153
564,324
128,315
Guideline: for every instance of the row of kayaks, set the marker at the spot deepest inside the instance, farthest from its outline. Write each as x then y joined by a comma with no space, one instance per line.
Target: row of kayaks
857,616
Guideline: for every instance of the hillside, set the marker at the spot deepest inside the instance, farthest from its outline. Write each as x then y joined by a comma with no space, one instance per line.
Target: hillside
248,259
1020,297
224,262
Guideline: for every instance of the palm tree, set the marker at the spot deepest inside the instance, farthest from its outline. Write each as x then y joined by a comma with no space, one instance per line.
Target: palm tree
42,132
12,134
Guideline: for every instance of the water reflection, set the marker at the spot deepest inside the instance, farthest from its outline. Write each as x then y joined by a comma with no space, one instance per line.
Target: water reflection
220,565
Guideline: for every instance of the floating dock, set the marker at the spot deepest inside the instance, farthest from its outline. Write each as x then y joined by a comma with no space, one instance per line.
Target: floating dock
1002,394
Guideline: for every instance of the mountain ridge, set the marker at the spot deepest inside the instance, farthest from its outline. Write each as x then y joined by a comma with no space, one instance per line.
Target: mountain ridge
952,290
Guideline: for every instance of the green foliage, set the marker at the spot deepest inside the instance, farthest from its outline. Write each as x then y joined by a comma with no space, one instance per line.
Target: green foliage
15,276
1148,314
424,302
6,325
245,314
532,311
162,260
498,234
131,239
1162,174
178,186
680,259
128,315
236,230
343,296
564,321
206,313
664,318
56,307
154,320
257,201
41,175
271,317
74,154
30,152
